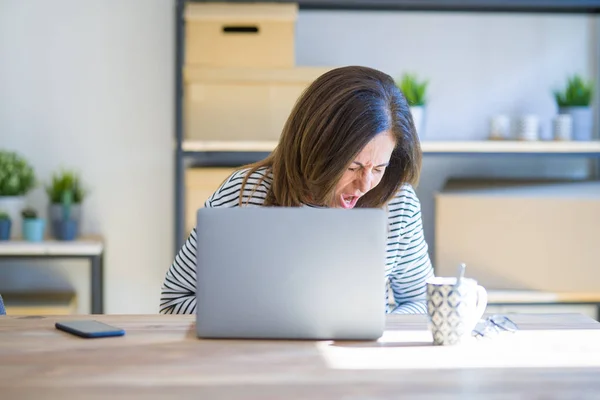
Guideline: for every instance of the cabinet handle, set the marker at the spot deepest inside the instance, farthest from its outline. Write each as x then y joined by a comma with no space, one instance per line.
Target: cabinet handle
240,29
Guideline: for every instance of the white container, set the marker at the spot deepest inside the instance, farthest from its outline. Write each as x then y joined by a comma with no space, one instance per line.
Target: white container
233,104
562,127
528,128
418,115
240,35
499,127
583,121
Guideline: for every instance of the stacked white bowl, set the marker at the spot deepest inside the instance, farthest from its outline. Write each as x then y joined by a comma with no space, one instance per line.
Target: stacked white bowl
528,128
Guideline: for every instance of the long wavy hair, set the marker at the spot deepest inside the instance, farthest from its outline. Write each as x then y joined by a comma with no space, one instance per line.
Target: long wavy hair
332,121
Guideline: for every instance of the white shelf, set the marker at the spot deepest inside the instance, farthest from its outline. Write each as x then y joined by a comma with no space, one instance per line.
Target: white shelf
508,146
538,297
239,146
483,146
80,247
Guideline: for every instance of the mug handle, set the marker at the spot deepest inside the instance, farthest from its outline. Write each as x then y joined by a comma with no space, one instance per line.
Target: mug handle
482,300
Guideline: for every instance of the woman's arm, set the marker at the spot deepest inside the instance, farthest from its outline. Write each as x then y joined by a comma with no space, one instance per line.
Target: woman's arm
178,295
412,266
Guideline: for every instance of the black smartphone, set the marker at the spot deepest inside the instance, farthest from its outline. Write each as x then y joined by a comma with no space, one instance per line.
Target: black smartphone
89,328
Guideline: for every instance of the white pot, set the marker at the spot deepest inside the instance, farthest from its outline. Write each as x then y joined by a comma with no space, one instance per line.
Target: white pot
582,122
418,115
13,205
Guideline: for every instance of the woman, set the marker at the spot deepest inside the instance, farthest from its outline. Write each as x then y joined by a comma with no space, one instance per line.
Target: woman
349,142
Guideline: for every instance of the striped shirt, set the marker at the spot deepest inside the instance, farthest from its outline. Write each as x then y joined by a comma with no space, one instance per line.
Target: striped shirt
407,261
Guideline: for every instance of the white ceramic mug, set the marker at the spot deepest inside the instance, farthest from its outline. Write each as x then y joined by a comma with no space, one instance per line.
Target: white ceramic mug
563,127
499,127
454,310
528,128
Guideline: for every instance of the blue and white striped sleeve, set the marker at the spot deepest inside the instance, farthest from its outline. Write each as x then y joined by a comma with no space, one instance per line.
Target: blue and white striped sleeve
178,292
412,266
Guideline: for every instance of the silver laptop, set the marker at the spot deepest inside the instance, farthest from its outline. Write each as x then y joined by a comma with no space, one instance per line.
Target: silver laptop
291,273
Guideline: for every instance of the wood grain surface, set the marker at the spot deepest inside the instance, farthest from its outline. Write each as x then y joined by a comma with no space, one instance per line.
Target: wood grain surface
551,356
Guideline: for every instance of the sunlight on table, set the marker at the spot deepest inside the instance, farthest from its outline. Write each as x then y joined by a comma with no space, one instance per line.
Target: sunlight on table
414,350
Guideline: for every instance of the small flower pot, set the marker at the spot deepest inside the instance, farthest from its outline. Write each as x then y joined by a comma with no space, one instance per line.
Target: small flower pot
13,205
582,122
418,115
57,219
5,225
65,229
33,229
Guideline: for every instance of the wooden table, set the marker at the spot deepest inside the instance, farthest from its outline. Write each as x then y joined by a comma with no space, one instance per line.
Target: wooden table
552,356
91,249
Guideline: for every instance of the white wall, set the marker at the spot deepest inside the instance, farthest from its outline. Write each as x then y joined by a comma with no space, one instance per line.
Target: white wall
89,85
478,64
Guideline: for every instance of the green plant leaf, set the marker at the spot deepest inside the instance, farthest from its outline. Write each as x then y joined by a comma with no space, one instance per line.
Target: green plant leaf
62,182
577,93
29,213
16,174
414,90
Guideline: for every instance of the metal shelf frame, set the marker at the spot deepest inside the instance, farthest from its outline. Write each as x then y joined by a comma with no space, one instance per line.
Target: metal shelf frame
209,158
535,6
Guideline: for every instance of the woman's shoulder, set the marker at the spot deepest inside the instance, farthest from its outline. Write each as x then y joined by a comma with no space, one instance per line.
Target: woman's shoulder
405,202
259,173
250,179
254,185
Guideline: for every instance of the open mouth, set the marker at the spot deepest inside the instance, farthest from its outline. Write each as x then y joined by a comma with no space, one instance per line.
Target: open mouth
348,201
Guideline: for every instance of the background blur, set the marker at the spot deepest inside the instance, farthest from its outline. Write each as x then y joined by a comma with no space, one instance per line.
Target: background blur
90,86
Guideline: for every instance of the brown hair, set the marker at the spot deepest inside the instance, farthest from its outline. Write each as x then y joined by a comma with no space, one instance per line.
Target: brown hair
332,121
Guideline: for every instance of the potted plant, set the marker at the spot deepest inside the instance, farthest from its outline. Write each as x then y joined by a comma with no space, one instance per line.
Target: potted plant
576,101
415,92
66,195
5,224
33,227
16,180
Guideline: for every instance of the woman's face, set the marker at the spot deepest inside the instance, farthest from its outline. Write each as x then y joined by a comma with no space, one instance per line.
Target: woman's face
365,172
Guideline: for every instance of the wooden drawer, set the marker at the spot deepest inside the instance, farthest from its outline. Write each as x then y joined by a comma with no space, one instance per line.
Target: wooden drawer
530,236
32,303
200,183
241,104
240,35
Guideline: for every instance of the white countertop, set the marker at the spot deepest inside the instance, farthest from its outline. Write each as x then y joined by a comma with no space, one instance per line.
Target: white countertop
92,246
